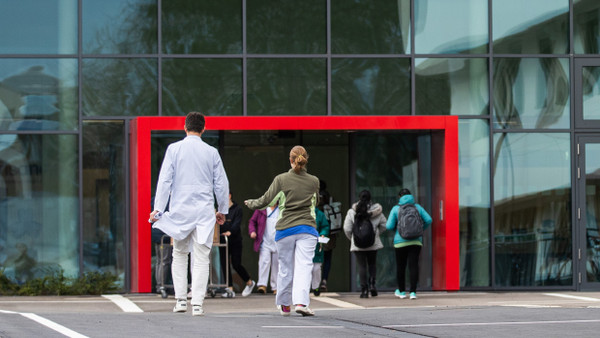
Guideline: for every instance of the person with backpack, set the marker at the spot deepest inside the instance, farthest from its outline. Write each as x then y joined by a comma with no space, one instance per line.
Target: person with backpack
409,220
363,224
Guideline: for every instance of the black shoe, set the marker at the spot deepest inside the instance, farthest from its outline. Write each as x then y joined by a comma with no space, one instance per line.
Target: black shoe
372,287
323,286
364,293
317,292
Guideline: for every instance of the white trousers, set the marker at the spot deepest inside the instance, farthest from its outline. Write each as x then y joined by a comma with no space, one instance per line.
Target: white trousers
316,275
296,254
267,260
200,266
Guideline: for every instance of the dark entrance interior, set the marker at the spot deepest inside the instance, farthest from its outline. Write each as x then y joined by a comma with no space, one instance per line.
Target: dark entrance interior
381,161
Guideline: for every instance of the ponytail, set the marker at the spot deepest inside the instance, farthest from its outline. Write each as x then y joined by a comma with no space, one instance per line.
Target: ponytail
299,158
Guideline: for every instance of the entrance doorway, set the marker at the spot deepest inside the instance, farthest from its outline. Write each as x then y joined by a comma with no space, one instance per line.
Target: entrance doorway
381,155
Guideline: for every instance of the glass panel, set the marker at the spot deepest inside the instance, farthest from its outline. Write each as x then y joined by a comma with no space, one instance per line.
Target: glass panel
459,86
119,87
370,86
286,26
474,202
591,92
39,206
119,27
592,211
38,94
38,27
370,27
448,27
104,203
409,155
287,87
532,209
211,86
202,27
531,27
586,19
531,93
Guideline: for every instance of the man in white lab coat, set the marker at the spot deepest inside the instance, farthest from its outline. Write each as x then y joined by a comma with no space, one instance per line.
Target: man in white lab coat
191,175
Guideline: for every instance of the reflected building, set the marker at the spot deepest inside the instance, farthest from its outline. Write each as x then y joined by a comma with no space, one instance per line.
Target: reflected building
523,79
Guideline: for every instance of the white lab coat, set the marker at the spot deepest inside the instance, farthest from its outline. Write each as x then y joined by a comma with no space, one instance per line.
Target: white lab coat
191,172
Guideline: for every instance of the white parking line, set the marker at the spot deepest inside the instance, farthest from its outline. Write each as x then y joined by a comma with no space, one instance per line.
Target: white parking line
302,327
337,302
125,304
49,324
497,323
590,299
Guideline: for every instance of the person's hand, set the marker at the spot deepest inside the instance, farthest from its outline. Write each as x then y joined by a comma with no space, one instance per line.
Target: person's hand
226,233
152,219
246,202
220,218
253,235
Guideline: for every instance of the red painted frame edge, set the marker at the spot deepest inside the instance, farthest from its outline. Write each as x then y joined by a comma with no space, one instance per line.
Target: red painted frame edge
446,230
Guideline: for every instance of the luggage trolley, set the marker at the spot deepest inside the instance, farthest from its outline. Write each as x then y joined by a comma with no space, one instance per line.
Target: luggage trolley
164,254
213,286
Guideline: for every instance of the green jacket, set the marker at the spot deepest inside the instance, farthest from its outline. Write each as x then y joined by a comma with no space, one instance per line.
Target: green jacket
323,230
297,196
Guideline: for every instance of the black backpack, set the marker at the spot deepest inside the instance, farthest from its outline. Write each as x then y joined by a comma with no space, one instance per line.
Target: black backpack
410,223
362,232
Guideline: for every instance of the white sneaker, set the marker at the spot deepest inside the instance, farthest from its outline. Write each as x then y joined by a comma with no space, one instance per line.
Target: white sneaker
304,310
413,295
248,289
228,294
197,310
180,306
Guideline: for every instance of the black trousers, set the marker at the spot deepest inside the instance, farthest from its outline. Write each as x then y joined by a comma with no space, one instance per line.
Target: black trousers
408,255
366,260
235,258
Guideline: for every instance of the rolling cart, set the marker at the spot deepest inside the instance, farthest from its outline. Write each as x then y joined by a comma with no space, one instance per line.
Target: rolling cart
214,286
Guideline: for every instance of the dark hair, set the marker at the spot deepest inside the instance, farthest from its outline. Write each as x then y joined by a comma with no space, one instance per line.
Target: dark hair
364,203
404,192
195,122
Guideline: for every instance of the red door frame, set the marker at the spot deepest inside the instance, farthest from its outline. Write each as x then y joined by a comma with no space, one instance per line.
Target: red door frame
445,228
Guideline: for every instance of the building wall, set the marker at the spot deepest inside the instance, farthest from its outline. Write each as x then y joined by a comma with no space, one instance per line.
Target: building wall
73,73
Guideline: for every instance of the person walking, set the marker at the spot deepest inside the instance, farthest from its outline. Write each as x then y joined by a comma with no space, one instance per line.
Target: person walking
366,257
262,229
192,176
296,191
407,250
323,230
232,229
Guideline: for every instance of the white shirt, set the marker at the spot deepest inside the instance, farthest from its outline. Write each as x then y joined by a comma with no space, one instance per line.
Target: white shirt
191,172
268,241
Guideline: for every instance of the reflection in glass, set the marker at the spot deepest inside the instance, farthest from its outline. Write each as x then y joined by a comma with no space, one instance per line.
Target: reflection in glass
202,27
591,92
38,94
532,217
531,93
117,87
592,211
474,203
286,26
104,203
530,27
370,27
39,206
370,86
38,27
119,27
287,87
586,18
448,27
386,162
211,86
460,86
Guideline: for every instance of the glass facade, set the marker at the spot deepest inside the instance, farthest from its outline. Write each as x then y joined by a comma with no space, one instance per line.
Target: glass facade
74,73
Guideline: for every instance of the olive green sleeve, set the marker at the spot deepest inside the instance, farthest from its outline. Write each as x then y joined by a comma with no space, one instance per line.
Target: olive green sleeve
268,198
